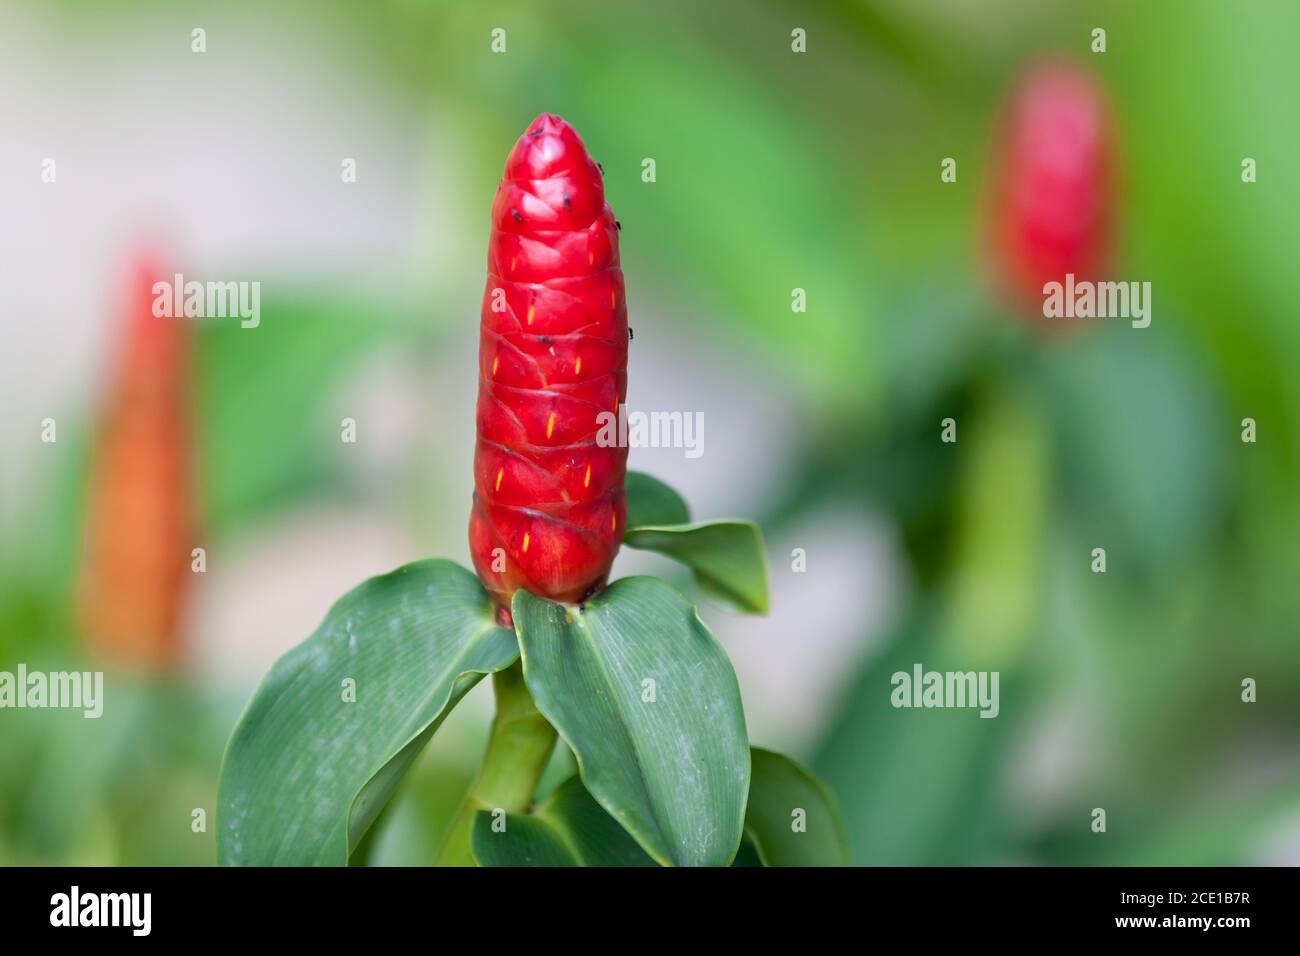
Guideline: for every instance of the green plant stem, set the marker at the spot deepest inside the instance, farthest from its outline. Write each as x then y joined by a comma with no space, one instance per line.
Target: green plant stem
519,748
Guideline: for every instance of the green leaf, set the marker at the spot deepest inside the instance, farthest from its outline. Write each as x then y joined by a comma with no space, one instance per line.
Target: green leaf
780,788
647,701
596,837
306,772
726,557
651,502
526,841
747,856
571,829
568,829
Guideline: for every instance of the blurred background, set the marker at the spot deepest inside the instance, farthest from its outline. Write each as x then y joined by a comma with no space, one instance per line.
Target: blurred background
774,171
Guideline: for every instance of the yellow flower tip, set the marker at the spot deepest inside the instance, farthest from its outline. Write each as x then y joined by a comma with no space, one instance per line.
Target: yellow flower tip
527,538
532,311
496,363
577,366
586,479
501,472
550,425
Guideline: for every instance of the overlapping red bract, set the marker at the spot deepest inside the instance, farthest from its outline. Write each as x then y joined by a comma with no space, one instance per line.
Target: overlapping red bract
549,506
1052,182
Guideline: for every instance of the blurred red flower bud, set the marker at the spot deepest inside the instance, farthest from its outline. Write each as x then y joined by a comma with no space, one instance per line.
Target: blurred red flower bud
1050,201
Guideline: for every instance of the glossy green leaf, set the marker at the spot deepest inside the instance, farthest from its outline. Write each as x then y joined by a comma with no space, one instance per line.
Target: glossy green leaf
651,502
569,828
306,770
647,700
726,557
792,819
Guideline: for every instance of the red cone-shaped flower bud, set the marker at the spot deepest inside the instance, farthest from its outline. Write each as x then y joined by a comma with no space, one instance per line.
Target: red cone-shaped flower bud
549,506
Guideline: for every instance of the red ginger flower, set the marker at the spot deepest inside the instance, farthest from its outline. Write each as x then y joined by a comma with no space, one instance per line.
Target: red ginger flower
138,522
1052,183
549,506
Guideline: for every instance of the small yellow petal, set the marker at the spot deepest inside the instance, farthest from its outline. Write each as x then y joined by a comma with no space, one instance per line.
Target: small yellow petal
527,537
550,425
532,311
500,474
577,366
496,363
586,479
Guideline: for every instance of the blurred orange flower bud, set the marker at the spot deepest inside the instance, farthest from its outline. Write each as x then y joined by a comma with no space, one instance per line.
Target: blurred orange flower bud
138,533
